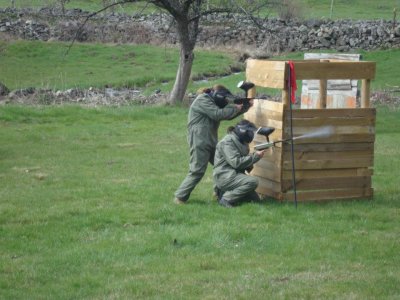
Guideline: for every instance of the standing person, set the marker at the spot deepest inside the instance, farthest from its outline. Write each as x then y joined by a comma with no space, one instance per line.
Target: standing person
205,114
232,160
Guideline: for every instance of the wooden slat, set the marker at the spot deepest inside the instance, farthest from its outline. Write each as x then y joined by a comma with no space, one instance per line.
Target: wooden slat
334,112
342,84
268,105
269,193
320,155
336,130
328,183
266,173
332,147
265,184
333,56
269,164
335,70
329,164
266,73
305,196
347,138
263,116
331,173
334,121
365,92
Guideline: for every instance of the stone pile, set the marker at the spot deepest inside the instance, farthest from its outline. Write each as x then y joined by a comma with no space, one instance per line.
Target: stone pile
271,35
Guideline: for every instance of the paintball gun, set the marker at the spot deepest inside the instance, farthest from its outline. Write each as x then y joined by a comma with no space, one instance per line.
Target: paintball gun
246,86
322,132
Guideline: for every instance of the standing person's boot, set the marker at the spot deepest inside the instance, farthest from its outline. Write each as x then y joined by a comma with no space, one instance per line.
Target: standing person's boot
179,201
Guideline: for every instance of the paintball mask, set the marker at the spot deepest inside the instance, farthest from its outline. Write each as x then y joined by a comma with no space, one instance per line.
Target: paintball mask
222,96
245,131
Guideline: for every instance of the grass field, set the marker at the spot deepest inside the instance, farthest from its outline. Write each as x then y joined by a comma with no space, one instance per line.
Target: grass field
308,9
24,64
44,65
86,212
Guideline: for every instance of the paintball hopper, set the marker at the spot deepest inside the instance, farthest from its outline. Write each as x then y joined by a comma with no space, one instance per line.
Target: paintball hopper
245,86
265,131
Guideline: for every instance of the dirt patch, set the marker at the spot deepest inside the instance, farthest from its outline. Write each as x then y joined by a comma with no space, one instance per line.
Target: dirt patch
89,97
124,97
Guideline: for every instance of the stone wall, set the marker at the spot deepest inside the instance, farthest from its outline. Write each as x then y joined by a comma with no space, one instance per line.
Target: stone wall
271,36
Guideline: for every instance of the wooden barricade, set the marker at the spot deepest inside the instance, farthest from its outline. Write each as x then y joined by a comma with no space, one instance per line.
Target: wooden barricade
327,168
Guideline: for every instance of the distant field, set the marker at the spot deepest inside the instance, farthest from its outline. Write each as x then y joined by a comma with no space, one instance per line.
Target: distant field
43,65
38,64
354,9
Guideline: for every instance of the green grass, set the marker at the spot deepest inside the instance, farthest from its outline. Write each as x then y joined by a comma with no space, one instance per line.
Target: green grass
342,9
86,213
38,64
44,65
350,9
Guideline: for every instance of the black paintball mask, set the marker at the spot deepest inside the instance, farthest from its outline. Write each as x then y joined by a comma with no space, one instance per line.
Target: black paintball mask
222,96
245,132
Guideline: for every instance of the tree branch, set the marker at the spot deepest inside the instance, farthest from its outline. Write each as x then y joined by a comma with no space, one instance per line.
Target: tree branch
79,31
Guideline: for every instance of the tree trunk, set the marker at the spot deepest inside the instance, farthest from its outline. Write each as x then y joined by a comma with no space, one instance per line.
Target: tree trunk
187,32
182,76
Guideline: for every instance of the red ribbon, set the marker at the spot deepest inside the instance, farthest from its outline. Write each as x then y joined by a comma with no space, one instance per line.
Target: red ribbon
292,82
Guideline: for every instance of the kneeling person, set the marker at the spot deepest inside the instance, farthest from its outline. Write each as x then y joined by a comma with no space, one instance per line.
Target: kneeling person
232,159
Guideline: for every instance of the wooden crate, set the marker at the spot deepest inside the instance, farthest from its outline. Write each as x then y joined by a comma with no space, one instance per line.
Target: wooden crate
337,167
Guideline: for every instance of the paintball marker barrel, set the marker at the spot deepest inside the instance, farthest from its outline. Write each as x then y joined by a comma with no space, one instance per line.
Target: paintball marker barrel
267,145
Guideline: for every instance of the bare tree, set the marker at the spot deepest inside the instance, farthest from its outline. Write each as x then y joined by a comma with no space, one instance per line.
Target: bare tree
187,15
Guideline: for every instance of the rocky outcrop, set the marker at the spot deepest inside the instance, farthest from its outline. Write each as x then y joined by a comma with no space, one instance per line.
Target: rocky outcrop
270,35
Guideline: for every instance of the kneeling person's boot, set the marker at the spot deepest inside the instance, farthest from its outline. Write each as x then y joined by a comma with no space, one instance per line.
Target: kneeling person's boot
226,203
254,197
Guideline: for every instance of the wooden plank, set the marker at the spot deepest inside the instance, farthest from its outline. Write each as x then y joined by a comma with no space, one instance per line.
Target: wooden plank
335,130
268,105
333,121
323,93
344,138
269,193
351,93
266,173
269,164
340,84
266,73
327,183
320,155
331,173
285,97
332,147
365,92
265,185
334,112
263,115
329,195
333,56
335,70
330,164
